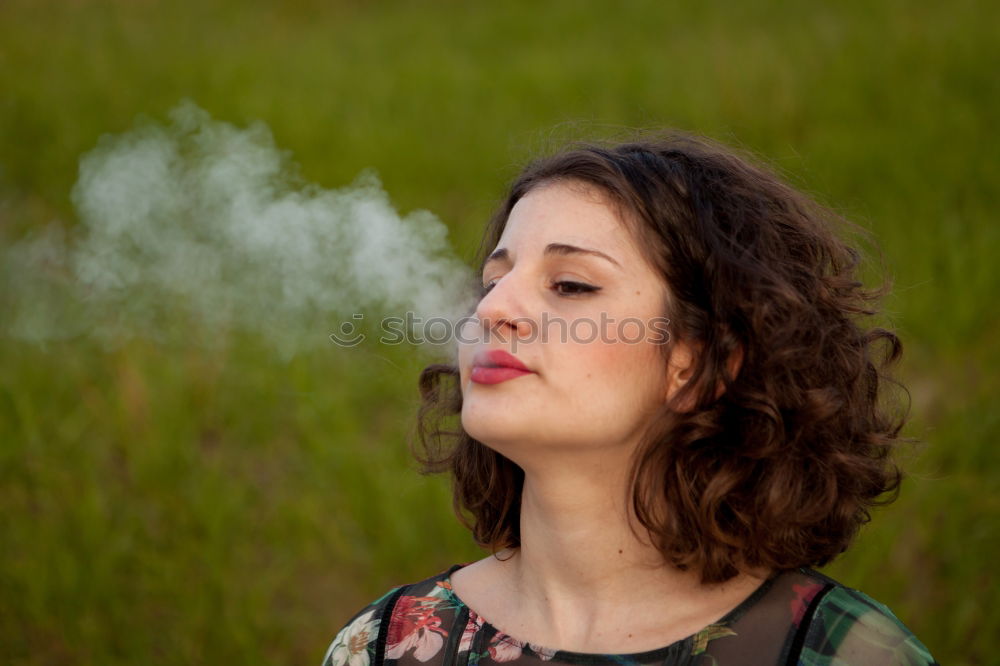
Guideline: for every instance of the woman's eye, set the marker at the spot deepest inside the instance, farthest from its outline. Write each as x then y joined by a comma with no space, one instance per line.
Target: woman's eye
562,287
570,288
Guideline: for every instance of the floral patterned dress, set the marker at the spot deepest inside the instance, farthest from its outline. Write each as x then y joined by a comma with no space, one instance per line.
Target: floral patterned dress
796,617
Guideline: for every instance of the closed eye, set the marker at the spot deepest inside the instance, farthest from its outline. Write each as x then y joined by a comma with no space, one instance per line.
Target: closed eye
562,287
570,288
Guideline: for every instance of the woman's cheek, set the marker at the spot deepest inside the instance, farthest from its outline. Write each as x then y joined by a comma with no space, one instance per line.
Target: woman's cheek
603,362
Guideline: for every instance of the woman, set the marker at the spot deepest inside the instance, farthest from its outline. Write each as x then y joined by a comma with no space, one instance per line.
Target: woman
670,410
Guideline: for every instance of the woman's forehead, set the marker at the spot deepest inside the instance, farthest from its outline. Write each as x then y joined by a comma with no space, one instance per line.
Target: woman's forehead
566,212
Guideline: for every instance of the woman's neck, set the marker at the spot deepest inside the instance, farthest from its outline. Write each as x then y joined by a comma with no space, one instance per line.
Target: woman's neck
582,580
579,553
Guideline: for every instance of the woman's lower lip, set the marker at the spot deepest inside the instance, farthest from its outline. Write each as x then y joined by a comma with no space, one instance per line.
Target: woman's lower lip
483,375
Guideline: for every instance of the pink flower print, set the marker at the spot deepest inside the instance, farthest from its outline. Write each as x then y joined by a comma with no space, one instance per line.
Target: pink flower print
504,648
543,653
414,626
803,595
472,627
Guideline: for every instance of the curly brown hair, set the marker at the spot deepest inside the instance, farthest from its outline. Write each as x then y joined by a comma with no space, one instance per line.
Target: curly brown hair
788,444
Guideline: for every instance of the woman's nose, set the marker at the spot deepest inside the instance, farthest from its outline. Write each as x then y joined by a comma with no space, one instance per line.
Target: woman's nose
502,309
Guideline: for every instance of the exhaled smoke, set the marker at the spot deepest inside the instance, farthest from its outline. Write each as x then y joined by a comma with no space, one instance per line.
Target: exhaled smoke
202,218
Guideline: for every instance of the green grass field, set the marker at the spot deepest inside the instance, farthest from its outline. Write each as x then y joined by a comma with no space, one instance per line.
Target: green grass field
184,503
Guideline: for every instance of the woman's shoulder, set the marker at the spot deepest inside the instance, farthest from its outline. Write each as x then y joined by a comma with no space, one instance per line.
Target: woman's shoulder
355,644
845,625
365,634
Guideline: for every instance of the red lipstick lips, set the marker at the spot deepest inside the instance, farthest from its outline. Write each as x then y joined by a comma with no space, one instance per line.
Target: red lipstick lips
493,367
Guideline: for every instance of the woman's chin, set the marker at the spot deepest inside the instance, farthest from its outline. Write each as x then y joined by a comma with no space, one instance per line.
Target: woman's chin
493,427
479,428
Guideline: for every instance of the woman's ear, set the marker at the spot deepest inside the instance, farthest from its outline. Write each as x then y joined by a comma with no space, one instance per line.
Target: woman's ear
680,367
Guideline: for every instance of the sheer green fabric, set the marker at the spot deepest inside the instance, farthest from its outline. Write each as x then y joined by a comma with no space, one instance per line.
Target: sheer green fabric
852,628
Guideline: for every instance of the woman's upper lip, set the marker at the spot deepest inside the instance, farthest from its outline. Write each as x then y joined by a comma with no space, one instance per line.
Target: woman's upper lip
497,358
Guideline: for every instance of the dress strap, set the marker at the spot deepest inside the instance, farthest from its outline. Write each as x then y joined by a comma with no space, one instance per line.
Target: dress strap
385,621
795,650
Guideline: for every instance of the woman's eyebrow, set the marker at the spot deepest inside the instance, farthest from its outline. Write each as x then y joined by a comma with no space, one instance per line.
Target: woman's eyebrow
501,254
563,248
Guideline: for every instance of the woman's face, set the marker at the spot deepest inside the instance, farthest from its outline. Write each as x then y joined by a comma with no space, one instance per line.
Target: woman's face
572,298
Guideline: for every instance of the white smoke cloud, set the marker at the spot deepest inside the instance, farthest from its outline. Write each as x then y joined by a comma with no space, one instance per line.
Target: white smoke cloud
206,218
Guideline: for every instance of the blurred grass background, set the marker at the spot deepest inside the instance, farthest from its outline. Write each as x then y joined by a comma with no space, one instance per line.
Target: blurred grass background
174,505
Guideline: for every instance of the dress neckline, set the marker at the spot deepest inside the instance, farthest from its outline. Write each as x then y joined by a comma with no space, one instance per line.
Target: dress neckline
655,654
